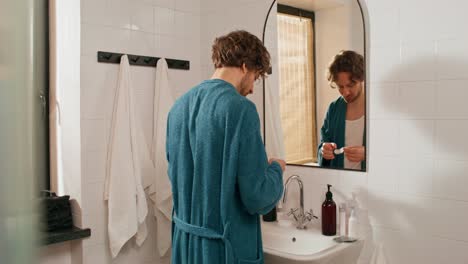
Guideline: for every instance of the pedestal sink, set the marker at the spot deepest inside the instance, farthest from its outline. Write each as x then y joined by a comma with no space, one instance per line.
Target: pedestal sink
286,244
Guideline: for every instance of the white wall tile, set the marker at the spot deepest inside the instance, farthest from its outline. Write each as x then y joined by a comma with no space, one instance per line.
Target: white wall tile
412,247
94,166
352,182
402,212
163,3
94,134
92,11
191,6
449,251
416,138
385,63
384,137
383,174
167,45
452,59
418,61
416,176
384,100
98,83
451,140
213,6
96,254
102,38
451,99
142,43
93,200
450,179
117,14
324,177
382,210
164,21
55,254
450,218
187,26
384,29
453,15
98,226
417,19
417,100
142,17
143,79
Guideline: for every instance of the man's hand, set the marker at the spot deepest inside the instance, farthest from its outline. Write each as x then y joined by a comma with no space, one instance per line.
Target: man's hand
327,150
280,161
355,153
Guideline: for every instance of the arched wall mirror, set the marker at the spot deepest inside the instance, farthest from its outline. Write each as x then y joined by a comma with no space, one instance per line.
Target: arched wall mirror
315,96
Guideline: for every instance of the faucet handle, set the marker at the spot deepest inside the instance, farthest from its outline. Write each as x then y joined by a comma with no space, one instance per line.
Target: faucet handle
293,213
310,215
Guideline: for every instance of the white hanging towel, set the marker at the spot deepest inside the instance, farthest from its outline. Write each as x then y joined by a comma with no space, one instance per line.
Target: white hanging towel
127,207
274,136
161,192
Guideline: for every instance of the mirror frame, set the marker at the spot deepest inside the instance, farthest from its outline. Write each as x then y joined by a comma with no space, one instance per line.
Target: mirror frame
365,22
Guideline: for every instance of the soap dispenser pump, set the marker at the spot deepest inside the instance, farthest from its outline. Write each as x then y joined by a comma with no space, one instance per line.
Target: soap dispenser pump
329,214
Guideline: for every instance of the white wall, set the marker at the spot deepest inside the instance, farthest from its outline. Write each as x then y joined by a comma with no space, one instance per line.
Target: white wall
55,254
164,28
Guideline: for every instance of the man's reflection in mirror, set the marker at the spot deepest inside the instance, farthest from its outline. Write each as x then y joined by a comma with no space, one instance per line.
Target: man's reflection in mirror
342,142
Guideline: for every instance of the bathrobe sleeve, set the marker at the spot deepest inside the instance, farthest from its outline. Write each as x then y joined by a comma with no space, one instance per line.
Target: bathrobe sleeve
260,184
325,136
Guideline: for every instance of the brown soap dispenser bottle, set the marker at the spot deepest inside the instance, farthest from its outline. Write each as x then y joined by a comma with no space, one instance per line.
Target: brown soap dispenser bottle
329,214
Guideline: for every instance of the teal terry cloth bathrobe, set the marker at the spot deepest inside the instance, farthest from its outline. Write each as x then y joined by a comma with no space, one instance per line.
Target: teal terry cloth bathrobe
220,176
334,130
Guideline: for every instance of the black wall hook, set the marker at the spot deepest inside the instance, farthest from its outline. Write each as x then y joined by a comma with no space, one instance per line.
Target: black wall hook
111,57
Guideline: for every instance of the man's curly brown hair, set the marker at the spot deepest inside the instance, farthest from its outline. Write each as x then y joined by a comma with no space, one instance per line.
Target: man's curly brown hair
238,47
346,61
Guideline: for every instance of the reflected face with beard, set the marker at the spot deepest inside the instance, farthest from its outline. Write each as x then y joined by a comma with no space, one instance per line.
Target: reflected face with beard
350,89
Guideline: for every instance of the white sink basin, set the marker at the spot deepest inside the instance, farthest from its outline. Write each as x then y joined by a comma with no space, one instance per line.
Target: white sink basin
286,244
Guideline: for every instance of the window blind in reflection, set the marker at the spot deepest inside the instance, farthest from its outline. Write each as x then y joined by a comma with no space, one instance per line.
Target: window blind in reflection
297,91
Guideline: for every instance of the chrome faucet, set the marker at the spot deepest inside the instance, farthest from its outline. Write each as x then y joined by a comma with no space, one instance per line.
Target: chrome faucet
301,218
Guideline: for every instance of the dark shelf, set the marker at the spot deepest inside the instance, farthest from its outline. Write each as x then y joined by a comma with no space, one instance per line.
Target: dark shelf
58,236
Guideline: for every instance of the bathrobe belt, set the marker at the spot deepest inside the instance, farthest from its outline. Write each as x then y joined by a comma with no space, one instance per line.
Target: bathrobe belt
210,234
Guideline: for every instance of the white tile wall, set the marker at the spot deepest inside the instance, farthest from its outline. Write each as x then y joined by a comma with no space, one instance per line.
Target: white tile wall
450,101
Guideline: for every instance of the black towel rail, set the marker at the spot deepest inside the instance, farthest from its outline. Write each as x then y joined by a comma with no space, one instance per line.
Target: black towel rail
139,60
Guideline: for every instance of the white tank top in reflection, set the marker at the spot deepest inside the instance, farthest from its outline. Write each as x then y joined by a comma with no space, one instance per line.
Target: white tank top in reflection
353,137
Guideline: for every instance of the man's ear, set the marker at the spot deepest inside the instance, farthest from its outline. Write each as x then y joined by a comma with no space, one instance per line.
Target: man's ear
244,68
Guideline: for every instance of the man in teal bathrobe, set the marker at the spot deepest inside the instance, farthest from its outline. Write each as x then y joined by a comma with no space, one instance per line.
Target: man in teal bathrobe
344,123
220,175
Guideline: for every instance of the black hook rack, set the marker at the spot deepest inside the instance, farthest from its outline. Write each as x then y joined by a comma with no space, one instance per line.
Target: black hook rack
139,60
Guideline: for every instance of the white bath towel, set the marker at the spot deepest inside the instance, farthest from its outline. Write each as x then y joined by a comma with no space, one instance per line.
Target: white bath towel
161,193
274,141
126,156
